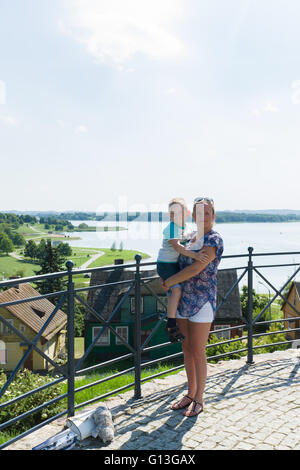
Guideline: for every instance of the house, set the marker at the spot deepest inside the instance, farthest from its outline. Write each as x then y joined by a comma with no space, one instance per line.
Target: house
293,298
229,311
104,300
28,318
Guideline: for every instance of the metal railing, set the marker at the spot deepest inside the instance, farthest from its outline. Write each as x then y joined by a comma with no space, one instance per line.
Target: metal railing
75,368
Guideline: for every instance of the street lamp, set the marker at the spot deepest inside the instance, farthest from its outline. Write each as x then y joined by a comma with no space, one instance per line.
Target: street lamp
259,282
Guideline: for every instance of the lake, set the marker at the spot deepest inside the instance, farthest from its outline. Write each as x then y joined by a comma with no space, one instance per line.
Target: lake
263,237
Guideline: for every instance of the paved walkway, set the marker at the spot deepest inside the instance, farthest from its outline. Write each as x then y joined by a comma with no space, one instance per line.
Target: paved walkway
247,407
91,260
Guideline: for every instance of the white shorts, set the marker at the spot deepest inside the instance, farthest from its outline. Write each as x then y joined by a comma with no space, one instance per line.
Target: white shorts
205,315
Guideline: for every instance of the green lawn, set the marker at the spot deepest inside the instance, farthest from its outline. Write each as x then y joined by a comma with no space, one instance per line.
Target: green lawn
13,267
41,228
110,256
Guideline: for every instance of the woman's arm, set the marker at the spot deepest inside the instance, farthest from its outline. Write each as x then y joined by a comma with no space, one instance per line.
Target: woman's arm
190,271
199,256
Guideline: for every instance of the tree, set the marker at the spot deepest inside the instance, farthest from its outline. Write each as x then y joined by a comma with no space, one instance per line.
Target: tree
52,261
31,249
79,313
17,239
41,249
6,245
64,249
258,302
113,246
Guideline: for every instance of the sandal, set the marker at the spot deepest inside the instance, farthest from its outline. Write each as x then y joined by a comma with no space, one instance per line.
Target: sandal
180,407
174,334
193,411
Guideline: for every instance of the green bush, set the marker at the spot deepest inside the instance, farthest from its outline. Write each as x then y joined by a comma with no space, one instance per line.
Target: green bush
26,381
225,348
270,339
242,344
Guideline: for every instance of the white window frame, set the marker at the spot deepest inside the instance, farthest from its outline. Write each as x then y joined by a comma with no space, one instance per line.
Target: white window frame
132,305
104,339
222,334
3,351
120,330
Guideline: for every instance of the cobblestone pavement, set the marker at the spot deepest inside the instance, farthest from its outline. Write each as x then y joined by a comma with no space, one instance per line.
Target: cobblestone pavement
247,407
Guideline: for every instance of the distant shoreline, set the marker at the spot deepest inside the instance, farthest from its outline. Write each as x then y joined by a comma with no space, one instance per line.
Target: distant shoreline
62,218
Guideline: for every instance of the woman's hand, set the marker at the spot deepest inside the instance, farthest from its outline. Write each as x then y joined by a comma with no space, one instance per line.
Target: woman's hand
203,257
162,285
192,270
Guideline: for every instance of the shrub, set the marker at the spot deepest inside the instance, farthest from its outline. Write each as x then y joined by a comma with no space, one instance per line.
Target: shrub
26,381
241,344
270,339
225,348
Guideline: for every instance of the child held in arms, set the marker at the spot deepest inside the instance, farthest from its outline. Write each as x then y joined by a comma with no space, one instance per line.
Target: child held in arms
174,234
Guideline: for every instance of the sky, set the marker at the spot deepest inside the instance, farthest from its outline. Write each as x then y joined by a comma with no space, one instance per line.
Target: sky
126,104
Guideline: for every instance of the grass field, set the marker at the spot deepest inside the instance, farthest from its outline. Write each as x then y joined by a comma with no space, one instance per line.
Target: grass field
113,384
10,266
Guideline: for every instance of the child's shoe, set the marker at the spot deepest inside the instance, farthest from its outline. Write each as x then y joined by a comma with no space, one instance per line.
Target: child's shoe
174,334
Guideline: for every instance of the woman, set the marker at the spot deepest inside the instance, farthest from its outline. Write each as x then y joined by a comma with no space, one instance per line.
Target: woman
198,303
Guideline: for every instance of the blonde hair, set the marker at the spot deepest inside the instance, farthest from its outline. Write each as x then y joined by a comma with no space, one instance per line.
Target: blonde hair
177,200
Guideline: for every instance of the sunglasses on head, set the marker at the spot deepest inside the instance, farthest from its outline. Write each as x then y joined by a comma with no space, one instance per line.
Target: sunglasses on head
203,199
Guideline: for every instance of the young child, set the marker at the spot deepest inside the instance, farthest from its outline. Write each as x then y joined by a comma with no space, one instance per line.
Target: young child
167,260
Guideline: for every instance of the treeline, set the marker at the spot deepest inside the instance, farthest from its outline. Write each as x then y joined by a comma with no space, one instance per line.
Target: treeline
221,217
16,220
9,236
226,217
58,222
62,220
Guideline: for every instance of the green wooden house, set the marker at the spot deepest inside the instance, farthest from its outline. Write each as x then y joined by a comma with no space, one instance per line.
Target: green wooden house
104,300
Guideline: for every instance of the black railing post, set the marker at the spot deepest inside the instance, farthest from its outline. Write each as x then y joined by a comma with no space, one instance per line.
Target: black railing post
137,330
71,341
250,307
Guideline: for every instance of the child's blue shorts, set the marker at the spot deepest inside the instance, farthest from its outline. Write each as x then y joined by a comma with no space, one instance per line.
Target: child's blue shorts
166,270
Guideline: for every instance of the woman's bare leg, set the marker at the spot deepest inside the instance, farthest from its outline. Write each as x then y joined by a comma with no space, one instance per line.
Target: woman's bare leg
189,363
198,336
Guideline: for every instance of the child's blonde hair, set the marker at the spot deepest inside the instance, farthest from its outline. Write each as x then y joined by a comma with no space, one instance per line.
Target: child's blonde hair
177,200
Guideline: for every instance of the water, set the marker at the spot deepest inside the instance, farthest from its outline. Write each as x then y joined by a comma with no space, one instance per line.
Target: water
263,237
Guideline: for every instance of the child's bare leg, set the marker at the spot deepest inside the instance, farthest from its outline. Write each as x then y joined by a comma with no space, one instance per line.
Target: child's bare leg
173,301
172,330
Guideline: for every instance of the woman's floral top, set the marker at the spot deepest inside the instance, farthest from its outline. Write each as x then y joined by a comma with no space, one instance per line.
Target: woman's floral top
202,287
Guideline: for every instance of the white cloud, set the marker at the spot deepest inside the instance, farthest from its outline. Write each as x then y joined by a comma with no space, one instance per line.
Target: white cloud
2,92
77,129
62,124
270,108
255,112
171,90
114,31
296,92
81,129
8,120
